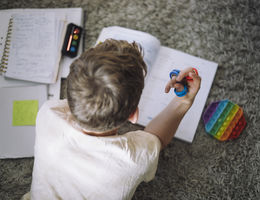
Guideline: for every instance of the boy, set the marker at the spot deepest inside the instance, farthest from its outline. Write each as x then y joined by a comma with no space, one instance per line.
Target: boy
78,154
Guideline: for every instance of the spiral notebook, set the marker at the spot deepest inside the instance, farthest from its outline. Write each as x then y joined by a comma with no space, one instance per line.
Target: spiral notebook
31,50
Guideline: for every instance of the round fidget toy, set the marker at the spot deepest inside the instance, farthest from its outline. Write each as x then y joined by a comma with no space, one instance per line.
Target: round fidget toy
224,120
182,93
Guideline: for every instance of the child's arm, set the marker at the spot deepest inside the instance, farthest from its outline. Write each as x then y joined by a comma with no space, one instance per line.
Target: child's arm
165,124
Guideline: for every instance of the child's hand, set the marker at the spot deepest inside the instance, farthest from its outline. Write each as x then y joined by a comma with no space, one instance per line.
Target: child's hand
193,86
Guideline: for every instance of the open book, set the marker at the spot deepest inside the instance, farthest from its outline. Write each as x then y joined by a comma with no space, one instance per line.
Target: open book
160,61
32,44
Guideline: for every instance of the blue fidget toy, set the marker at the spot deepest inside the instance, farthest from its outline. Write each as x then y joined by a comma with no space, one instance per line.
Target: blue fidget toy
182,93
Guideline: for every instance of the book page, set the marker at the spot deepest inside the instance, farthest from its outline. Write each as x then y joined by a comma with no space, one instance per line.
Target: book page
149,43
154,99
33,47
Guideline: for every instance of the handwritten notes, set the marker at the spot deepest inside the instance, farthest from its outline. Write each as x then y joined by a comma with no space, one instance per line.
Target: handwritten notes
25,112
33,47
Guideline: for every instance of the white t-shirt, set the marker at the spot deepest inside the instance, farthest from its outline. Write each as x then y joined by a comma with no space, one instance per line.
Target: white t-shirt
72,165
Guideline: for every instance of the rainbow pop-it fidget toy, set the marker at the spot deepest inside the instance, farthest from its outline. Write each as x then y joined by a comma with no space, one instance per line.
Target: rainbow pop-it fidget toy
224,120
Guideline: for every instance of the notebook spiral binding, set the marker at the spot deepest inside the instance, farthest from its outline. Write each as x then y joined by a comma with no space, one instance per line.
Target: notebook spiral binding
4,59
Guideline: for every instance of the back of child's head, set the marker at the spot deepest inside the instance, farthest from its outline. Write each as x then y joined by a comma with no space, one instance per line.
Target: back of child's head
105,84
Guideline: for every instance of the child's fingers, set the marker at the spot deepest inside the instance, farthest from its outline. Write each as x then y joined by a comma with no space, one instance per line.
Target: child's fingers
168,86
195,84
184,73
196,78
179,87
171,84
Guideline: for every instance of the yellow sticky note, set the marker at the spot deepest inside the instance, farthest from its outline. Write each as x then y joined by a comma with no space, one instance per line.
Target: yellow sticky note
25,112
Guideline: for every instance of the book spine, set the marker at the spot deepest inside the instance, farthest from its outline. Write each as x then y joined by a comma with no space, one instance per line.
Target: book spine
5,56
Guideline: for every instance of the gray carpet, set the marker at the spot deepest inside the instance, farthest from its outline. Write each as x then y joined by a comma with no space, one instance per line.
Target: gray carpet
224,31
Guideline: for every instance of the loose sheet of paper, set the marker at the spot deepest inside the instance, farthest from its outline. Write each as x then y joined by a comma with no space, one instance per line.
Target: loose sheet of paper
17,117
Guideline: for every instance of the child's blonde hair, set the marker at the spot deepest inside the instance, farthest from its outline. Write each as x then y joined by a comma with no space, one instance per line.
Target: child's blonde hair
105,84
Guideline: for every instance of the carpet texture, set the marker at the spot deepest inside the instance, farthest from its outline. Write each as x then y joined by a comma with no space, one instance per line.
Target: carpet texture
224,31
